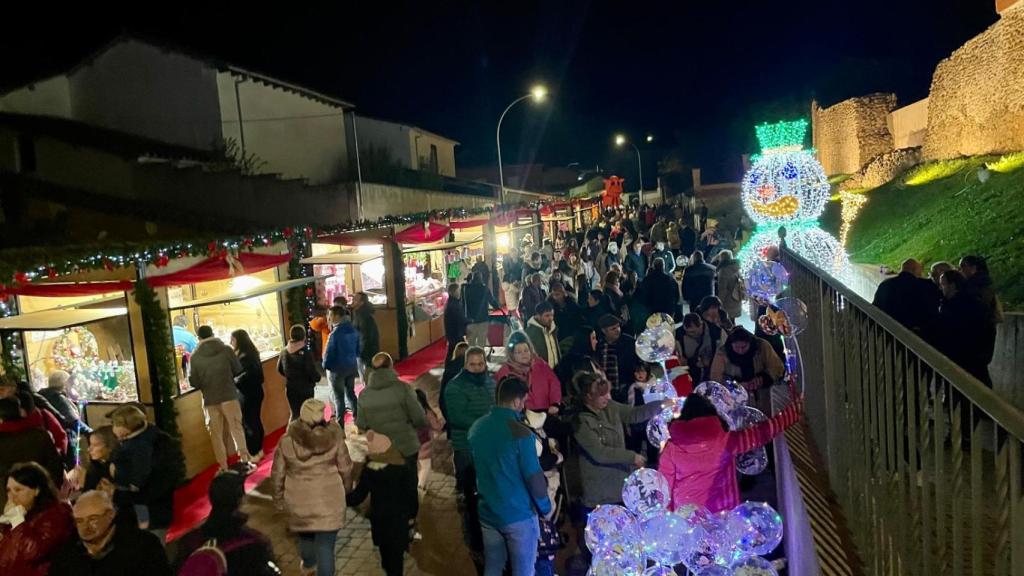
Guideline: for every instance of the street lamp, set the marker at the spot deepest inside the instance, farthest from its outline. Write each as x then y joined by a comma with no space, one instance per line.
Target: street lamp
620,139
538,93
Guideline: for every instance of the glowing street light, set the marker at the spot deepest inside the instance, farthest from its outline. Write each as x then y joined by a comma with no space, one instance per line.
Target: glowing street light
650,138
538,93
620,140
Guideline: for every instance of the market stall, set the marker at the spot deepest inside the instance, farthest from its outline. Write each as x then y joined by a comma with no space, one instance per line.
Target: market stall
429,268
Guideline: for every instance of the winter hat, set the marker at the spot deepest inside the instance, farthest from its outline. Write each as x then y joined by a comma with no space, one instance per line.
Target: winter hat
312,411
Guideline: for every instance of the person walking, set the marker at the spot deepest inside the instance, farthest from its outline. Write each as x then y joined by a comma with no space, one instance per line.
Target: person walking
635,260
387,479
299,369
341,362
479,301
312,471
979,284
369,334
750,362
468,396
512,486
455,321
250,391
533,295
698,281
389,407
426,436
543,333
730,288
687,238
674,241
213,370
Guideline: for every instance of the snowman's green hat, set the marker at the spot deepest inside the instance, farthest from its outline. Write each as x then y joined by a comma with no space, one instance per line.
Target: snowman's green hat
782,136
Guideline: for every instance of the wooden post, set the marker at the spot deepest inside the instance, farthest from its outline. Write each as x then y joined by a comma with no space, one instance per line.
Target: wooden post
396,292
491,256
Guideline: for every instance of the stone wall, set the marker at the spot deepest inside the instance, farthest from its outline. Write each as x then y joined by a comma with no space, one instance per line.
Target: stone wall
909,124
884,168
976,105
851,133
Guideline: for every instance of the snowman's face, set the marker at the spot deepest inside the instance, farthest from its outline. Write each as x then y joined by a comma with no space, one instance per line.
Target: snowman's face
785,187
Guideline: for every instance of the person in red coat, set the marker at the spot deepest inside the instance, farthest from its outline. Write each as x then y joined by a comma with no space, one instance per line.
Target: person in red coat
35,523
699,458
545,389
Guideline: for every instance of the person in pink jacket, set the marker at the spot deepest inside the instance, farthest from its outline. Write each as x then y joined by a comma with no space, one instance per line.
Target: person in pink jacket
545,388
699,459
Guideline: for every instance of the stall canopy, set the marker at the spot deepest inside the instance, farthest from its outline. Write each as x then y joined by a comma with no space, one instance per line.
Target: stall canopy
248,293
441,246
423,233
221,268
59,319
69,288
341,258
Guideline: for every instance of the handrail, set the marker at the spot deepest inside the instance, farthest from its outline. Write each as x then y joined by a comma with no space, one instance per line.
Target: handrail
998,408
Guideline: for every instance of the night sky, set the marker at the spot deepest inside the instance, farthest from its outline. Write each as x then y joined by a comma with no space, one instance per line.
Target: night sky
697,74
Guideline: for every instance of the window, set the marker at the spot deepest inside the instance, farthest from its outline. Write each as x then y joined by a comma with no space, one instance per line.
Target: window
433,159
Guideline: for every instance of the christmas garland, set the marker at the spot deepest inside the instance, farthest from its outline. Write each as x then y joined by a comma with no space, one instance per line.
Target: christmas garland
160,348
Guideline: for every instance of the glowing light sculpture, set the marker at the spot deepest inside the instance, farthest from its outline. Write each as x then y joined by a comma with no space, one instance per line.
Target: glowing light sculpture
787,186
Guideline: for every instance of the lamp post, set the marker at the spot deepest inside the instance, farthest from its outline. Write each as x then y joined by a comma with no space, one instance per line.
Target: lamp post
621,139
538,93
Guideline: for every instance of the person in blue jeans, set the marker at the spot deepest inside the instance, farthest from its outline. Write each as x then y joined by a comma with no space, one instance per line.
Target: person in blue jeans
340,361
510,482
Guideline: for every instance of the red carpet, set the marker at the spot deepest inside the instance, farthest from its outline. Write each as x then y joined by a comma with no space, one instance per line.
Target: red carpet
191,504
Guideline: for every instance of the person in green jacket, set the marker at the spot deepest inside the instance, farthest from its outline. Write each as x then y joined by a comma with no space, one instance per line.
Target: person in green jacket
389,406
468,397
604,459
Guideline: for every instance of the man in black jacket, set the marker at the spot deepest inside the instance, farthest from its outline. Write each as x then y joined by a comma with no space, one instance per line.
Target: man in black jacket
698,281
568,315
478,297
454,318
658,290
963,326
687,238
910,300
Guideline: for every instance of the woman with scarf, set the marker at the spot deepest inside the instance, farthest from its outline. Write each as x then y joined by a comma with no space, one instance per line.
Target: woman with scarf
750,362
545,389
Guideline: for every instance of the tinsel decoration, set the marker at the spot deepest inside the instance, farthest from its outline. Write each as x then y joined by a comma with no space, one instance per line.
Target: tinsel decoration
160,348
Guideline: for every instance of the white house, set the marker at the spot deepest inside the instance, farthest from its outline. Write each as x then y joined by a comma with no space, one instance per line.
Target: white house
170,95
412,147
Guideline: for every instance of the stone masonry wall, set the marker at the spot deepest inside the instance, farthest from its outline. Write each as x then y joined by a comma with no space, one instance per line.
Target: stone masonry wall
851,133
976,105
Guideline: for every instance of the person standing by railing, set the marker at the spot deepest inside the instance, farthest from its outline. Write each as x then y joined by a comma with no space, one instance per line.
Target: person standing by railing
963,327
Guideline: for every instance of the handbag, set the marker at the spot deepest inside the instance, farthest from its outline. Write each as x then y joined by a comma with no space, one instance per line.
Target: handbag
550,538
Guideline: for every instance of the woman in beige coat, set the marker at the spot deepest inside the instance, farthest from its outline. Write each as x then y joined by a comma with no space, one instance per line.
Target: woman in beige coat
312,471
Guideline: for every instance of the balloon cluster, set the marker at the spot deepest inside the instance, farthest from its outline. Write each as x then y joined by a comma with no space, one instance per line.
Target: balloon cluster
645,538
730,401
657,343
785,316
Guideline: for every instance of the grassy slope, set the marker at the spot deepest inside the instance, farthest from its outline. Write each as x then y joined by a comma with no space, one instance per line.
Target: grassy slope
945,219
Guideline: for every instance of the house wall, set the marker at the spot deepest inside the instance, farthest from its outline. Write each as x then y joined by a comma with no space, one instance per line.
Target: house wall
420,143
395,138
295,136
909,124
976,105
50,97
382,200
140,89
849,134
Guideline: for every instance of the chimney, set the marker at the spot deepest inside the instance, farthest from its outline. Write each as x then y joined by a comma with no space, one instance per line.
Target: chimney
1004,5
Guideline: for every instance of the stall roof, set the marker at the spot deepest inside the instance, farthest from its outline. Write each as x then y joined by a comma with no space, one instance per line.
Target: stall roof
250,293
59,319
341,258
441,246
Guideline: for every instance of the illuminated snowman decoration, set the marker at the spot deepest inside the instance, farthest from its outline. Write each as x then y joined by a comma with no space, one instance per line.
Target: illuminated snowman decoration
787,186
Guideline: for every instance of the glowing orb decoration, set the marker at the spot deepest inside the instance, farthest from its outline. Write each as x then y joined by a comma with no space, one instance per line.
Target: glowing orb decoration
695,514
766,279
726,398
611,529
785,187
756,526
753,566
795,319
715,570
660,571
755,461
646,492
656,344
658,391
806,239
657,431
665,537
630,563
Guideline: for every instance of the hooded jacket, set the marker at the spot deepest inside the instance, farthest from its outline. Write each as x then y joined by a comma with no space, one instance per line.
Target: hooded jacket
604,459
545,389
369,335
699,460
544,341
388,406
467,397
310,475
297,366
212,370
731,289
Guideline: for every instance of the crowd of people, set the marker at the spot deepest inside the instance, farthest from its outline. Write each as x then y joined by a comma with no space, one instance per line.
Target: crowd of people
955,309
567,399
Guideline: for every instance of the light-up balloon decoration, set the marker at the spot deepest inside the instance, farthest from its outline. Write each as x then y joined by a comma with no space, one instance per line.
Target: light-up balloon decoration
645,491
787,186
611,530
755,461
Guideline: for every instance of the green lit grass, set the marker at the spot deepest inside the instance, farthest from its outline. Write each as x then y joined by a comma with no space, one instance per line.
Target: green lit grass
1008,163
932,171
943,219
838,178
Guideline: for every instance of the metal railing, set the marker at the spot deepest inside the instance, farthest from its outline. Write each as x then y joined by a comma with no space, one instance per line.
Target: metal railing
924,459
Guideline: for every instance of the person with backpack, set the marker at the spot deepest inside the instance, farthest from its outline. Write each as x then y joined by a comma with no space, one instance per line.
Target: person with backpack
312,471
299,369
393,507
146,468
224,545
